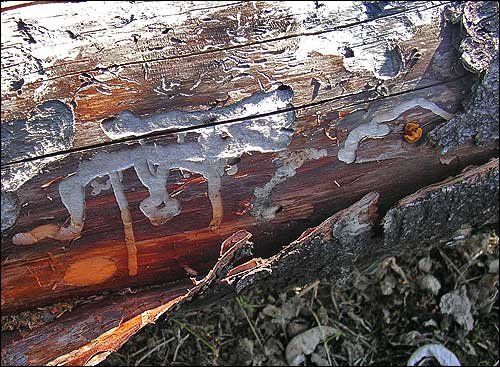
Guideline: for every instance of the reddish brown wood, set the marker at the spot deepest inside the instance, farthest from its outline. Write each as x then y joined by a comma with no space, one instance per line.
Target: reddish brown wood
100,85
36,274
81,340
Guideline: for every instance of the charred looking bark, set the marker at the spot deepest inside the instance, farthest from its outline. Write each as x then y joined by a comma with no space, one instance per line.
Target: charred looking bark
479,55
431,216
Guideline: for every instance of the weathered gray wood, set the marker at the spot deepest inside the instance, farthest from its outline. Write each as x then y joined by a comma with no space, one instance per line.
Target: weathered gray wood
155,31
323,184
342,57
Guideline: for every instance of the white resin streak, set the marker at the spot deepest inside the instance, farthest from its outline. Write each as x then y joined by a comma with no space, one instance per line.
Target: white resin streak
215,149
375,128
288,164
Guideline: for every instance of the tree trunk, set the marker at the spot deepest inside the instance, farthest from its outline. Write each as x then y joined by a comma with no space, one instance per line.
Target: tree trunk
138,137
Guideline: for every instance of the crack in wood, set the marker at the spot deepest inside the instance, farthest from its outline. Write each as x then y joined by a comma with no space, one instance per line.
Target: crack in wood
234,47
294,109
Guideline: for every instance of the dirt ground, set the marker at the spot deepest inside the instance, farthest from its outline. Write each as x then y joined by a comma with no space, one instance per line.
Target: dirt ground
446,295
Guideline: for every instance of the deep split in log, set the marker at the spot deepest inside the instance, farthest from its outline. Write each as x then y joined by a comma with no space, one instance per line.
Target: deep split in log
158,132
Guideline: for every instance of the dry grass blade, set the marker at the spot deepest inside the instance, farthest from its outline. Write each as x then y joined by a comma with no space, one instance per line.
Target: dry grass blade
325,343
146,355
197,336
373,328
254,331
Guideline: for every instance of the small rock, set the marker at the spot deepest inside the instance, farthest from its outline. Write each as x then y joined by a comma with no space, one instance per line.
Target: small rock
425,264
429,282
458,305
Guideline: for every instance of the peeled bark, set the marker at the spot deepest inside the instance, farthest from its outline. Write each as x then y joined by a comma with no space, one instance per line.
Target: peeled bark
135,142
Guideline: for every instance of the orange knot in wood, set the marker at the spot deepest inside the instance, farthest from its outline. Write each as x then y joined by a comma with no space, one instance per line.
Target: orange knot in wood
413,132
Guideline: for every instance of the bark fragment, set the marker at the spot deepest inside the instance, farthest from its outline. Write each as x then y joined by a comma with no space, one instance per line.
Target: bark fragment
479,54
437,211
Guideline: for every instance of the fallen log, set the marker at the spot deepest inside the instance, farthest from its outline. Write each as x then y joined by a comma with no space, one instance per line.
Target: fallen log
129,169
330,250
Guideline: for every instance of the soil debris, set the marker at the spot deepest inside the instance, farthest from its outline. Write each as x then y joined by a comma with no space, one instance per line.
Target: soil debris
363,322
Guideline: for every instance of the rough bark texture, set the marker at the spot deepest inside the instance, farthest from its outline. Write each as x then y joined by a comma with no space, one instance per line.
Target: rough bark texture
479,54
135,141
470,199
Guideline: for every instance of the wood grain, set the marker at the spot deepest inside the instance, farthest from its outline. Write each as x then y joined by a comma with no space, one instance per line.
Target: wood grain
138,136
310,61
342,66
319,186
78,339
